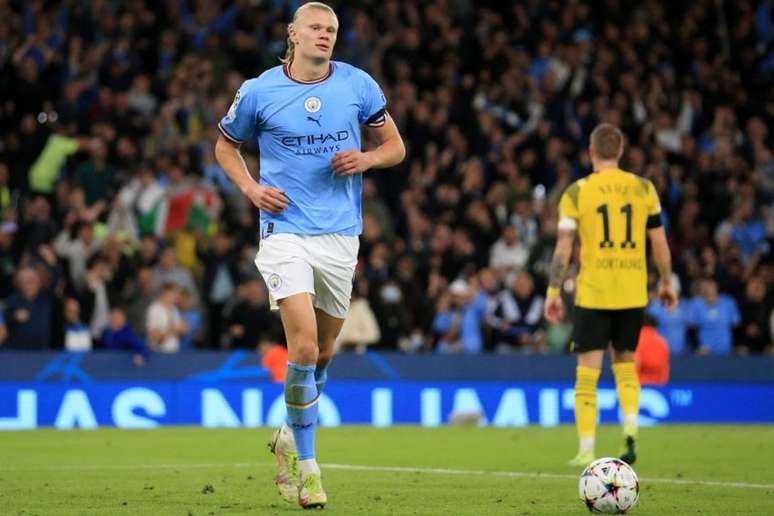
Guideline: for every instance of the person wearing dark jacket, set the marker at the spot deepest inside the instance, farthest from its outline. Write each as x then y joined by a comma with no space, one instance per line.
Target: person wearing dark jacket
28,313
221,273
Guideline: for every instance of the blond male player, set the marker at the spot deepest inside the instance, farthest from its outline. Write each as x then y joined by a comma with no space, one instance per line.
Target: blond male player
306,116
611,211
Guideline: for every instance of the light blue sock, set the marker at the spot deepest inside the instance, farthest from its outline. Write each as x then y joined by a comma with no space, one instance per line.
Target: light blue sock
301,403
320,377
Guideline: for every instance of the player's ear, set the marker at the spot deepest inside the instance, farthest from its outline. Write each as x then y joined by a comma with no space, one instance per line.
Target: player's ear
292,33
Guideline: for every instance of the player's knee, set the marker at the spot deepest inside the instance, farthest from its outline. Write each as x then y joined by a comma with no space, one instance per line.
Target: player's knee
325,356
306,355
303,351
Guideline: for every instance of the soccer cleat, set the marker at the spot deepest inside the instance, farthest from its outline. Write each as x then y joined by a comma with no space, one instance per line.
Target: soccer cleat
283,447
310,493
629,455
582,460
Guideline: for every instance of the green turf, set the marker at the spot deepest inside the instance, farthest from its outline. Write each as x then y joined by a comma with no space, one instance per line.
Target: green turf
162,472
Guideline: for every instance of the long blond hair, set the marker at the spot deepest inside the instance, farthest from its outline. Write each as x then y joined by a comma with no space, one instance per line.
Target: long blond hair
309,5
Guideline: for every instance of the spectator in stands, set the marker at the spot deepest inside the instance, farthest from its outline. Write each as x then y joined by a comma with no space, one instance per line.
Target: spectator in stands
715,315
390,309
93,297
37,227
75,244
672,325
28,312
71,198
488,283
652,354
164,324
458,321
140,294
168,270
137,203
116,252
524,220
77,336
744,229
95,176
542,252
194,334
45,170
119,335
147,254
221,273
515,317
251,319
360,328
753,332
509,254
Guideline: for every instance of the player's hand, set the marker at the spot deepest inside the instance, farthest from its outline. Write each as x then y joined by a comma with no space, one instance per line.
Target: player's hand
666,293
553,309
350,162
267,198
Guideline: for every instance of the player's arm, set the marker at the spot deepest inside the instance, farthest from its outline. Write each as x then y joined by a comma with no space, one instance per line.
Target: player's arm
230,158
389,152
663,259
554,307
660,248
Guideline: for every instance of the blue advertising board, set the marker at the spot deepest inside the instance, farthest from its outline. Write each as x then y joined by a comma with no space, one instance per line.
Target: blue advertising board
28,405
218,389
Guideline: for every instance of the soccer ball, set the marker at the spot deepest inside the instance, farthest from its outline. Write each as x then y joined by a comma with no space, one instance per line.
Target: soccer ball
609,486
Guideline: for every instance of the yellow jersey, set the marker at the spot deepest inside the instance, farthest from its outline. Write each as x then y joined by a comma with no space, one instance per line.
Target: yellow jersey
612,210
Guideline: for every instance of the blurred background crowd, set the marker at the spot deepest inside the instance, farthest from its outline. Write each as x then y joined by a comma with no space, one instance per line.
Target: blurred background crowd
119,230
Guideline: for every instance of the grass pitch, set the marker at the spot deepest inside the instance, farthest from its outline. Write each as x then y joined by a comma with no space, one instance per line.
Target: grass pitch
369,471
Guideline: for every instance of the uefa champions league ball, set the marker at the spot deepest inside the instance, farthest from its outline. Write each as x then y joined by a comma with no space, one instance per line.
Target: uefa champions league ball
609,486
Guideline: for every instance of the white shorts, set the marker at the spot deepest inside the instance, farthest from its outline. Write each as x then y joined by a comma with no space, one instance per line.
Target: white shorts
323,265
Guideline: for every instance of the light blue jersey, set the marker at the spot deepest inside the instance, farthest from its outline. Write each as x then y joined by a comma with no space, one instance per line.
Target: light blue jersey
299,127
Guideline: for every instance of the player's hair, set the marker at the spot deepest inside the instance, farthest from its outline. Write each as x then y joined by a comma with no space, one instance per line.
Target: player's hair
607,141
309,5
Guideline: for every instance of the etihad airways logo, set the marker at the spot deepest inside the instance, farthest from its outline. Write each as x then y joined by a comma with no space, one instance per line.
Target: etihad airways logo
315,143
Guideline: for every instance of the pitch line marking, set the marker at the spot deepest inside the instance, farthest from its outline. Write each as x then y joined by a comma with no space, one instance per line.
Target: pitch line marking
521,474
384,469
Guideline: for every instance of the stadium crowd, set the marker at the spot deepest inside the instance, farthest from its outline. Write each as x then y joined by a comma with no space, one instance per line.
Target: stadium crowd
119,230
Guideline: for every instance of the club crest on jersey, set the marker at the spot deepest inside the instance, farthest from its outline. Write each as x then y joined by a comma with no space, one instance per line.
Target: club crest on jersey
232,110
312,104
274,282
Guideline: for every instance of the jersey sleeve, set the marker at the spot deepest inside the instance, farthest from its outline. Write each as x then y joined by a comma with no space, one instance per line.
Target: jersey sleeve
372,103
238,124
654,207
569,213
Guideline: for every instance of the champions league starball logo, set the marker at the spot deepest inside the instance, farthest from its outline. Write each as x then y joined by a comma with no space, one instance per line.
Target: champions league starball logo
312,104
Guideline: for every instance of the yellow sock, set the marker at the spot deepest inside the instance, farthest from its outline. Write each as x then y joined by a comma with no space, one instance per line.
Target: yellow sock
586,405
628,386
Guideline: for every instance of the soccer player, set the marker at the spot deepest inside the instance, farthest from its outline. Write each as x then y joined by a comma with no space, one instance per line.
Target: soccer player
611,210
306,117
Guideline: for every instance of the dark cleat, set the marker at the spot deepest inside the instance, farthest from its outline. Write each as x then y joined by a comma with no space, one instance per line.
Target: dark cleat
629,455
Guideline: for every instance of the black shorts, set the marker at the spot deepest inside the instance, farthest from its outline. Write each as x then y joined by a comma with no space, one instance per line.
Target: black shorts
596,329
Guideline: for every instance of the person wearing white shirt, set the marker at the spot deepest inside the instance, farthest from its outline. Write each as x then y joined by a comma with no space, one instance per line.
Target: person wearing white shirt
509,254
163,323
